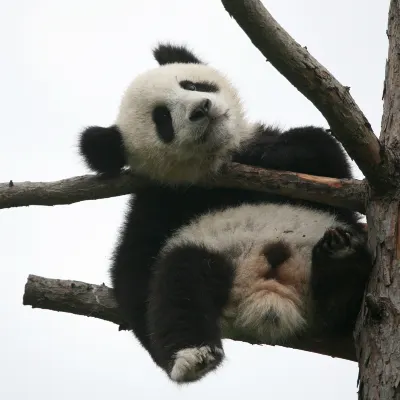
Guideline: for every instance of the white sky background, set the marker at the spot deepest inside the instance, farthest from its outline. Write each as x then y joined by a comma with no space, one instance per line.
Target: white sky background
64,65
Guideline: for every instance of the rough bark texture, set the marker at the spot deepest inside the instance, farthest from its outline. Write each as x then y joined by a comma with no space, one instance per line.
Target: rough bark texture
377,334
97,301
339,192
72,297
314,81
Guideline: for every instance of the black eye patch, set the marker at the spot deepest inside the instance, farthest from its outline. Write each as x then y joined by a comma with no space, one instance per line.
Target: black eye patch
162,118
202,86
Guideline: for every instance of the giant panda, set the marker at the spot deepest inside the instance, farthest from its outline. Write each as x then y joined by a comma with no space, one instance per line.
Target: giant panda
195,264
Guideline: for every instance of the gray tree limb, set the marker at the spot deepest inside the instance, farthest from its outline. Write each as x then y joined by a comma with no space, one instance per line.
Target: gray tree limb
340,192
72,297
97,301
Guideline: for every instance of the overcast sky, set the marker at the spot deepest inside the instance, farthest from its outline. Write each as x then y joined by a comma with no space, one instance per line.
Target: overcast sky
64,65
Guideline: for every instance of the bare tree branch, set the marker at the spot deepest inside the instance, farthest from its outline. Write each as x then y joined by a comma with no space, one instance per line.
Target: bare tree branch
97,301
333,100
339,192
72,297
67,191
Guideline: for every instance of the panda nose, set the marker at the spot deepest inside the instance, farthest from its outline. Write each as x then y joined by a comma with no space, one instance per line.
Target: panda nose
201,110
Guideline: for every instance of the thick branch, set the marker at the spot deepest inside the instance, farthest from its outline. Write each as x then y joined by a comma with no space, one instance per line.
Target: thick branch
339,192
377,330
97,301
314,81
390,133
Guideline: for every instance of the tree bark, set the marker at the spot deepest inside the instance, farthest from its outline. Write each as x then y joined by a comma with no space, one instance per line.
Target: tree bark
338,192
377,335
73,297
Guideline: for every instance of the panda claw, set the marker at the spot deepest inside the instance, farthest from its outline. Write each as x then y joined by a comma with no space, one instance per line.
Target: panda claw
336,242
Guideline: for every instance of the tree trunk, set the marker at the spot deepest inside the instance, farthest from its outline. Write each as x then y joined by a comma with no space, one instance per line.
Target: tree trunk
377,335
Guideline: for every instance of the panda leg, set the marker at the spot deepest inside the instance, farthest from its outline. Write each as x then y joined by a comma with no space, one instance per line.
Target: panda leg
190,288
341,264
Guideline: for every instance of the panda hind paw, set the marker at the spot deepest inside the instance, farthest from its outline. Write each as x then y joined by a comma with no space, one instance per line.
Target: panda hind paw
191,364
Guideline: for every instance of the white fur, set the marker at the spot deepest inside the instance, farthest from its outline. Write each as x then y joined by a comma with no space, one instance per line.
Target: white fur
238,230
241,233
193,363
184,159
252,318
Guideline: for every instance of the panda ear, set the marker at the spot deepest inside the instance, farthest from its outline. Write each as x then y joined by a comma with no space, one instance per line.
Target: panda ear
102,149
170,54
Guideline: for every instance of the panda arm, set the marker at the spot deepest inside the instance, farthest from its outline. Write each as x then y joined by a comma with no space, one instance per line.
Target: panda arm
341,264
153,214
141,237
102,149
310,150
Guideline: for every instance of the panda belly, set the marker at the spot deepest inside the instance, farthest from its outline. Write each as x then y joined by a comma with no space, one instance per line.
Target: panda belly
270,248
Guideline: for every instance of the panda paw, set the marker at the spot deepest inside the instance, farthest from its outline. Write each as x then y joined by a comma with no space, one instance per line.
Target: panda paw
191,364
338,242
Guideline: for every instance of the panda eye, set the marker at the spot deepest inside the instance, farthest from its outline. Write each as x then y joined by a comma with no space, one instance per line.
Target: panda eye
188,85
203,86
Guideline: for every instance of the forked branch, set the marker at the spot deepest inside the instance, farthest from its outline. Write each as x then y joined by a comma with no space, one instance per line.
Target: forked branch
314,81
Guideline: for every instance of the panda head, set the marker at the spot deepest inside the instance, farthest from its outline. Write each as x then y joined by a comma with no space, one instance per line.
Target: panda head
178,122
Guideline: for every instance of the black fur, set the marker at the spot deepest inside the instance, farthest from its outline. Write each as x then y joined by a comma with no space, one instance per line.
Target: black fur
190,287
200,86
170,54
337,283
299,149
102,149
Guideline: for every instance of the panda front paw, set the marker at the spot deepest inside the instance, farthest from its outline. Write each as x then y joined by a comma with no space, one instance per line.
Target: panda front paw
337,243
191,364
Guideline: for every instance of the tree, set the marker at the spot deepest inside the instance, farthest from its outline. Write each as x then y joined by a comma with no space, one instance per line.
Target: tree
374,346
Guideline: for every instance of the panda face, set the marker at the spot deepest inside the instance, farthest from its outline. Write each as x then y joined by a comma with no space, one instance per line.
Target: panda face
180,122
